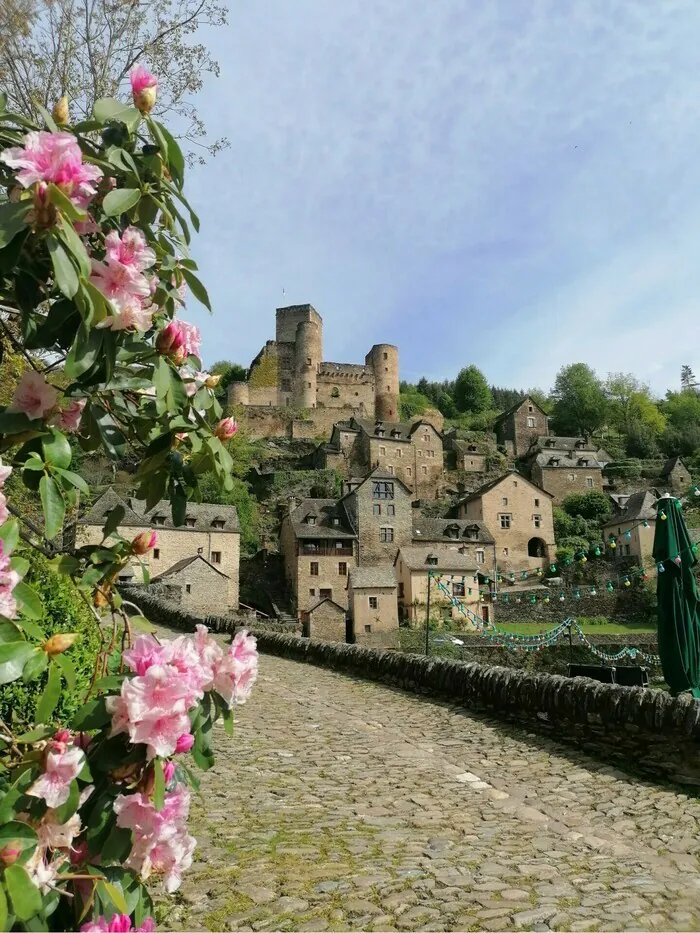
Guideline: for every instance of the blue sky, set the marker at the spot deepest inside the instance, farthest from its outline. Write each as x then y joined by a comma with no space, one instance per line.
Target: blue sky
509,183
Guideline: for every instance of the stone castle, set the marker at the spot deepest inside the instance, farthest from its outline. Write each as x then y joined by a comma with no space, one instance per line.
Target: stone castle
290,373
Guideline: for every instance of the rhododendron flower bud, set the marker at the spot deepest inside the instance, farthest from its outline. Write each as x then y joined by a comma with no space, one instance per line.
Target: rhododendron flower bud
60,111
171,342
44,215
144,88
225,429
184,743
10,852
57,644
144,542
168,771
211,382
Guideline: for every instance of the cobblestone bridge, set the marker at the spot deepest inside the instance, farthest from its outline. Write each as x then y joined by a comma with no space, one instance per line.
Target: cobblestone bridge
341,804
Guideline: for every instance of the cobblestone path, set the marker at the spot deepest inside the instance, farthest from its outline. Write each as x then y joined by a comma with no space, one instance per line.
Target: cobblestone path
341,804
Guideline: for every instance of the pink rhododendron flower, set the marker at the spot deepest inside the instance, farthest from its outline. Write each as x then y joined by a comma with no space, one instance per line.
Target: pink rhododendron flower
34,396
146,652
131,249
144,542
42,872
226,429
171,340
168,771
152,709
192,338
183,655
159,733
68,418
236,672
144,88
119,923
62,766
4,473
57,158
4,512
55,835
121,284
9,579
130,316
184,743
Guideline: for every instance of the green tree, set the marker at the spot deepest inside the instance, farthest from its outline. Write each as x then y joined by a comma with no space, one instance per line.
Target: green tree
579,401
229,372
246,507
472,392
593,505
412,404
630,404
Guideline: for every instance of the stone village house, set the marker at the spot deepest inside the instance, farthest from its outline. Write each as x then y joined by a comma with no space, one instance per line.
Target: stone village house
518,514
517,427
374,617
210,533
676,475
458,574
566,465
630,517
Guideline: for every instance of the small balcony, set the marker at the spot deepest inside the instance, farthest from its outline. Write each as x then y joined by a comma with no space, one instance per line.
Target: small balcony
325,549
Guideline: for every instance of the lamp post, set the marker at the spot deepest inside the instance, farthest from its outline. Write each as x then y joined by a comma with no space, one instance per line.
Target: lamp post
427,616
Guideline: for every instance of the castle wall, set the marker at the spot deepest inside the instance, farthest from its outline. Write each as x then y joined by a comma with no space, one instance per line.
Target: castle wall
341,384
275,421
384,360
288,319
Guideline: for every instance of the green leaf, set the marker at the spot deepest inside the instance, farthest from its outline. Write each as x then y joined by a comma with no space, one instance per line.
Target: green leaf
8,631
35,735
64,204
92,715
107,110
123,160
64,564
30,604
110,892
3,910
111,436
112,682
48,119
9,535
49,698
25,897
13,656
120,200
31,628
116,846
75,245
16,831
64,270
13,219
75,480
67,669
197,288
53,504
159,785
56,448
16,422
19,564
176,160
85,351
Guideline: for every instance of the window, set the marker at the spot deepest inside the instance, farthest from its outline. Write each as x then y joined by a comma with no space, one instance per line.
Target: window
388,388
376,509
286,385
530,408
368,628
400,590
452,531
571,477
515,483
159,519
505,552
432,560
386,356
218,523
188,588
342,569
424,470
335,522
531,422
339,545
308,361
335,392
190,522
505,521
391,510
537,521
313,568
326,594
458,589
156,553
505,501
390,469
420,453
589,482
310,519
430,453
386,535
627,550
398,452
312,592
537,503
480,556
382,451
373,602
426,438
382,490
409,471
216,557
308,386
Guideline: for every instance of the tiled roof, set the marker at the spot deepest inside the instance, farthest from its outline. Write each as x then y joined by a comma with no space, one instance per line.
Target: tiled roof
671,463
436,529
376,473
97,514
416,558
323,511
640,506
487,487
403,428
379,575
326,599
514,408
562,460
553,442
203,513
184,563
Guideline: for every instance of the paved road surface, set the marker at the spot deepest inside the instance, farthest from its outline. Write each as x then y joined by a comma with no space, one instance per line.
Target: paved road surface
341,804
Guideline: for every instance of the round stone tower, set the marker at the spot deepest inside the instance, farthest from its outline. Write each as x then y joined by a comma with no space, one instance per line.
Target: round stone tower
238,393
384,360
307,357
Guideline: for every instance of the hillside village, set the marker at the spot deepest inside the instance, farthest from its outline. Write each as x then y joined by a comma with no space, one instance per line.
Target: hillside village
369,514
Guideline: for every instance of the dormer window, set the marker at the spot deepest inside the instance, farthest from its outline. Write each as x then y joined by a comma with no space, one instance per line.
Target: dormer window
379,432
396,433
335,522
472,534
190,521
549,443
583,461
452,531
580,443
554,461
472,448
432,560
218,523
310,519
158,519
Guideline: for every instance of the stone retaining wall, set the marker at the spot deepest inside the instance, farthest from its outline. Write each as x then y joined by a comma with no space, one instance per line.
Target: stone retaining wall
646,730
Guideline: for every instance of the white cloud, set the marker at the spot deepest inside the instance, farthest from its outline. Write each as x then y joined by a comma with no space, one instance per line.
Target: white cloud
460,179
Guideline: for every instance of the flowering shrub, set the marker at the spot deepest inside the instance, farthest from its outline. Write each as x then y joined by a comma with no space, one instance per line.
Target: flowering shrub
94,267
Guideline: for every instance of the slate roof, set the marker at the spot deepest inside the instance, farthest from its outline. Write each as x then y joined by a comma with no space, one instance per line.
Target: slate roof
435,529
371,427
376,473
552,442
415,558
671,463
573,460
371,577
324,511
514,408
326,599
186,562
487,487
204,514
639,506
550,446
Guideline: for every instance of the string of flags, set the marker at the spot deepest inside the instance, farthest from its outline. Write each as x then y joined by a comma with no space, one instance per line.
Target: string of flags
501,638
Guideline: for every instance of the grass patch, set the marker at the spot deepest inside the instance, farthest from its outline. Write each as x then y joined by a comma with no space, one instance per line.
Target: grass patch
235,904
590,628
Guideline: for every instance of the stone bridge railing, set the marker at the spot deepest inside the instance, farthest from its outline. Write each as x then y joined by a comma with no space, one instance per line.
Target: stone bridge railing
647,730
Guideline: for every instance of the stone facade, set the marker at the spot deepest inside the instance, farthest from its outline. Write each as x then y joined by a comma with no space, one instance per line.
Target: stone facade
379,510
203,588
566,465
210,530
518,514
373,606
676,475
290,373
324,622
518,427
629,519
458,575
469,538
319,547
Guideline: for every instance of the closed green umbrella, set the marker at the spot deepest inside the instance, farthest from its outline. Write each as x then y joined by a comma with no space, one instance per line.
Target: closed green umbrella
679,605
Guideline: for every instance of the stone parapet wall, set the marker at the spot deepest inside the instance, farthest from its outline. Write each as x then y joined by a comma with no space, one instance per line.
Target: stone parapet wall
647,730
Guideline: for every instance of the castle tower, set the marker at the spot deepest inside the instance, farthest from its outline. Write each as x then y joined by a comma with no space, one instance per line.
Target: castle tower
238,393
307,358
384,360
288,319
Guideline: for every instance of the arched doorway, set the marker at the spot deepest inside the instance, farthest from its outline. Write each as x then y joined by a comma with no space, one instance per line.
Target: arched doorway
536,548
